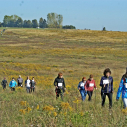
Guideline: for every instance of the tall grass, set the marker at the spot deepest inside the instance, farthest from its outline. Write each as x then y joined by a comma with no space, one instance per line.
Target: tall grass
44,53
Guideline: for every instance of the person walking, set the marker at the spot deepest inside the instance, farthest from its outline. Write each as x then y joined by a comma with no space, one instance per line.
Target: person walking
106,83
59,84
13,84
81,88
28,84
20,81
123,88
33,83
90,85
4,83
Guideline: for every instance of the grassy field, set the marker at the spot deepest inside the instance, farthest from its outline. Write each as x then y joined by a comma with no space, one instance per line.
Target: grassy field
43,53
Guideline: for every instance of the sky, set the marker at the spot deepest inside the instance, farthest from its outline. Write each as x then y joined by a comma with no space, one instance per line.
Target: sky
89,14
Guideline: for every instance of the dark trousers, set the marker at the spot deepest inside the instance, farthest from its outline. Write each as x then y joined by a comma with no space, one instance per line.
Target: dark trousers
19,84
90,93
32,89
59,92
12,89
4,87
103,96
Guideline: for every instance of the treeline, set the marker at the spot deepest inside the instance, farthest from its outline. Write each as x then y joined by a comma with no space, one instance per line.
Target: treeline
53,21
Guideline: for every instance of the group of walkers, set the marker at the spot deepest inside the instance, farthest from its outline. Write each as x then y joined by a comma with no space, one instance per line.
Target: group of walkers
29,84
87,86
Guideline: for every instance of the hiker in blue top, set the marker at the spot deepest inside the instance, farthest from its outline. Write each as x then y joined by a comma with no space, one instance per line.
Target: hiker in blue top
123,88
13,84
107,87
81,88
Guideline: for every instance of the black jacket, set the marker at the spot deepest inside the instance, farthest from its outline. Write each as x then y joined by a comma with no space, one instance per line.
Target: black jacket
4,82
124,76
59,82
33,83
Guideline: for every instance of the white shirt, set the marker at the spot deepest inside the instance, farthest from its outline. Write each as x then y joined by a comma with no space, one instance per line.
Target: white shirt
82,84
28,83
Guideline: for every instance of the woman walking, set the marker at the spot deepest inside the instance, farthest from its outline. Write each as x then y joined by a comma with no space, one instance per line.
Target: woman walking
33,83
90,85
107,87
123,88
27,84
81,88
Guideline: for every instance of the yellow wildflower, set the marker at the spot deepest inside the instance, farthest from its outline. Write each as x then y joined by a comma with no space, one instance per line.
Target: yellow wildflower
124,111
48,108
23,103
65,105
81,113
66,92
55,114
19,88
65,113
38,107
22,111
70,108
77,101
28,109
68,86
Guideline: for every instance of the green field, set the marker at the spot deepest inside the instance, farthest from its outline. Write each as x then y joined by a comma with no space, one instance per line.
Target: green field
43,53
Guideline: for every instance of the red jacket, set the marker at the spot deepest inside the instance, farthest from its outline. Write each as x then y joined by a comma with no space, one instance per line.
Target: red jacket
90,85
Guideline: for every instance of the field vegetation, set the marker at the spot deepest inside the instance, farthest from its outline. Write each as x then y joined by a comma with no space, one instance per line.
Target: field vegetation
43,53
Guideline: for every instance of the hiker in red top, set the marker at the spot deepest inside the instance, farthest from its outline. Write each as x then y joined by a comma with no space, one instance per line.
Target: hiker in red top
90,85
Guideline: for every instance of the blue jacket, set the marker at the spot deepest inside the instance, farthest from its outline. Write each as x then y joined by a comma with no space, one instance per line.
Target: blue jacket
122,88
12,83
109,86
81,86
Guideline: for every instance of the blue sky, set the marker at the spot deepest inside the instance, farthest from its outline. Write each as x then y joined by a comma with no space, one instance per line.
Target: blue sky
90,14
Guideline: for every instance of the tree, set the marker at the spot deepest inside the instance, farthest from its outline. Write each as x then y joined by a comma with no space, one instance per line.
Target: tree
44,24
34,23
104,29
50,20
29,24
19,22
25,24
60,21
69,27
14,20
5,21
41,23
10,21
54,20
